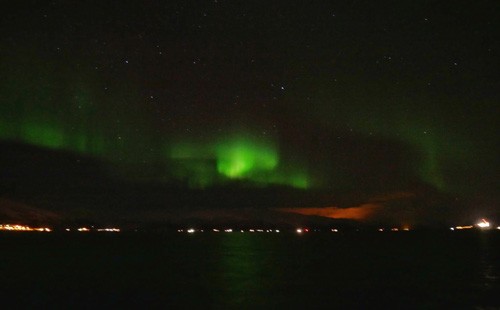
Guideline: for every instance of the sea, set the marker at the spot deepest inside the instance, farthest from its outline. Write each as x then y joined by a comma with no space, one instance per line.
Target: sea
366,270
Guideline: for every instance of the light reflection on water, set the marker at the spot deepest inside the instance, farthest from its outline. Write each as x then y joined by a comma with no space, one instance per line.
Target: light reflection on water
220,271
240,263
357,271
245,271
488,262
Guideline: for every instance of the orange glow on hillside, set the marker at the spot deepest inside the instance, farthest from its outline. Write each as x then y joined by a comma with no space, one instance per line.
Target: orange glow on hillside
362,212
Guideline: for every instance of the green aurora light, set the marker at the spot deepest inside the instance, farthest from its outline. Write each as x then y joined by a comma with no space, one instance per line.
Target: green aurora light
48,106
240,158
237,157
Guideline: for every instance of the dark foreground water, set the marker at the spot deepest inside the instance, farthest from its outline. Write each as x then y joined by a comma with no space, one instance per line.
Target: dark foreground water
334,271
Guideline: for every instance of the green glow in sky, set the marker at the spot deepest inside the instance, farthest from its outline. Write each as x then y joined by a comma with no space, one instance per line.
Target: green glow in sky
430,166
146,97
234,157
240,158
43,135
76,115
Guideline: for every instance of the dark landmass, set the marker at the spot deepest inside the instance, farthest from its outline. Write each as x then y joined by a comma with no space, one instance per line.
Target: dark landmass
50,187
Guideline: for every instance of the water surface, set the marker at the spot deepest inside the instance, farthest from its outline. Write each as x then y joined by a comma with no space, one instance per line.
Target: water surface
364,270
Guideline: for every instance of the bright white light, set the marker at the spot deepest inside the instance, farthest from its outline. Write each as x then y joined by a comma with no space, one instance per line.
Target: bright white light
335,230
228,230
277,230
483,224
451,228
252,230
299,230
190,230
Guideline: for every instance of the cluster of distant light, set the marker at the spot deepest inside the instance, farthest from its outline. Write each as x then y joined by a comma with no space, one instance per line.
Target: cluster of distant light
251,230
23,228
461,227
394,229
86,229
336,230
228,230
18,227
483,224
299,230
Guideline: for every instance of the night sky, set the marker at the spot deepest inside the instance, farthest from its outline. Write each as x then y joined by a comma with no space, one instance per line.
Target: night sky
318,105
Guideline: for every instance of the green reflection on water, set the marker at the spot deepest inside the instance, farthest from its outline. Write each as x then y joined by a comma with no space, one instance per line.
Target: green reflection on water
242,270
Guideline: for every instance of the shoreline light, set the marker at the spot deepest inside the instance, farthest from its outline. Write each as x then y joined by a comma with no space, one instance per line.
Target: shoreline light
16,227
483,224
109,229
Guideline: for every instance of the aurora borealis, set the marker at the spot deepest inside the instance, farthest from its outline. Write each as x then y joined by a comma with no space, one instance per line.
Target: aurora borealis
341,98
